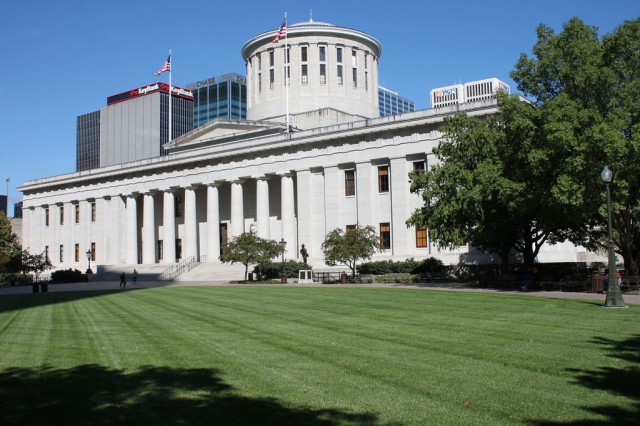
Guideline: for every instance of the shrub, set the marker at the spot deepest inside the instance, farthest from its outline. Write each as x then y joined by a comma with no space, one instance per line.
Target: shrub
271,270
67,276
379,267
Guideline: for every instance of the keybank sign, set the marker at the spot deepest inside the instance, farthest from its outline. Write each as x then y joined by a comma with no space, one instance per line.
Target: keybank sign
151,88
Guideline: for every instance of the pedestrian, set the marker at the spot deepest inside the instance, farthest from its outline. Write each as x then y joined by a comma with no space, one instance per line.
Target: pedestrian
135,275
123,280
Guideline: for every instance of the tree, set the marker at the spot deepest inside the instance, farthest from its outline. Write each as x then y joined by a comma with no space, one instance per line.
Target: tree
9,246
248,248
36,263
349,247
589,92
491,185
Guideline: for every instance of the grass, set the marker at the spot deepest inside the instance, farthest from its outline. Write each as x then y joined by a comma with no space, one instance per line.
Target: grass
315,356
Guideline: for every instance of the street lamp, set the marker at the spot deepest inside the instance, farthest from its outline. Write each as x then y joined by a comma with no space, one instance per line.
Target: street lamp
614,295
89,253
283,243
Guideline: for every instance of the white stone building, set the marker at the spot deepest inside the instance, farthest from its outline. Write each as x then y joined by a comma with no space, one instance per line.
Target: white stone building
342,166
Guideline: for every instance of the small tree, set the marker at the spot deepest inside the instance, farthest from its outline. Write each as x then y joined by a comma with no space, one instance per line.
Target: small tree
247,248
348,248
36,263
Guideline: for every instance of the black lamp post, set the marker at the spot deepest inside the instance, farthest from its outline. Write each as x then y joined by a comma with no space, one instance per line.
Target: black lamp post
283,243
89,253
614,295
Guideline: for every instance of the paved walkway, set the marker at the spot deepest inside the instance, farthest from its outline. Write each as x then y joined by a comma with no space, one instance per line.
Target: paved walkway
114,285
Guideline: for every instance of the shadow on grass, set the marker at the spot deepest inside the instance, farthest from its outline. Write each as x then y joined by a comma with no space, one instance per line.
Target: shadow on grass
28,300
96,395
622,381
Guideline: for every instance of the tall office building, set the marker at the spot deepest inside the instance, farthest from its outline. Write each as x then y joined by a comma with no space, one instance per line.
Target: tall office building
391,103
88,141
219,97
4,205
133,126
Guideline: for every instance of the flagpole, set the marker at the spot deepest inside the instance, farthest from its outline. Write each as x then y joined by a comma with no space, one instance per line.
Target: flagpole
170,91
288,67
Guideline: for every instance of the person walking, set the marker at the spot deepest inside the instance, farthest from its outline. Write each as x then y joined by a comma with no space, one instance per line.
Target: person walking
123,280
135,276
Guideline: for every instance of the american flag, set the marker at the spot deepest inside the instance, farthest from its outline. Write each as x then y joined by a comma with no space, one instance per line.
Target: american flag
282,32
165,67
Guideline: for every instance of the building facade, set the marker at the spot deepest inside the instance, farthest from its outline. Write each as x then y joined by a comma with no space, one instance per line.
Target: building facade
467,92
88,141
341,166
219,97
391,103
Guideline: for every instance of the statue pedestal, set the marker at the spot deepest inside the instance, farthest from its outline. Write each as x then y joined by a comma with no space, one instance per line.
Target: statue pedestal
305,276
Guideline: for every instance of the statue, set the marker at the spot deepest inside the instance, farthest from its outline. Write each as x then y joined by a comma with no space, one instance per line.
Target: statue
305,254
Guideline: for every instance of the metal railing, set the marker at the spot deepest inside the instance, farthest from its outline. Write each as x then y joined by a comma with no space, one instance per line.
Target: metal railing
184,266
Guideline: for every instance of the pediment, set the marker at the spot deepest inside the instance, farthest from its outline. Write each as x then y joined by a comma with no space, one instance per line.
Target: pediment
224,131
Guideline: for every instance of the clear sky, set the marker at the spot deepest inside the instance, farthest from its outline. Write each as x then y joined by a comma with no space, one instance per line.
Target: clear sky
61,59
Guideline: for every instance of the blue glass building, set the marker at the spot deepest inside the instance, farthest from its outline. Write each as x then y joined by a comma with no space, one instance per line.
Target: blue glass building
219,97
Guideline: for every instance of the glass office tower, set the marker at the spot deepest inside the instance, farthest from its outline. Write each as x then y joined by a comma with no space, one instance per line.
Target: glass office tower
219,97
391,103
88,141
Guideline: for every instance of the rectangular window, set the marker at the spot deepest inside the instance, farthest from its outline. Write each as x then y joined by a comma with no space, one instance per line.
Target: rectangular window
46,252
271,58
349,182
259,61
272,78
76,212
366,60
61,215
46,217
287,75
303,53
287,55
351,228
61,253
93,211
366,81
418,166
93,252
76,250
323,74
421,237
259,83
339,75
160,249
383,179
355,78
339,54
385,236
305,75
177,203
323,53
354,58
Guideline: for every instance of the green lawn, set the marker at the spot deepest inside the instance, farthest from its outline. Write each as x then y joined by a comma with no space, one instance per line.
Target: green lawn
315,356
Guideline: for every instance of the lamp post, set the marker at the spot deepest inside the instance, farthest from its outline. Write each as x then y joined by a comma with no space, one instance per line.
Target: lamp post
283,243
89,253
614,295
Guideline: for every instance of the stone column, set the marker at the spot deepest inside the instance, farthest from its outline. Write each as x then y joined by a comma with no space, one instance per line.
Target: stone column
237,209
306,204
334,198
287,209
366,187
132,230
148,230
190,243
168,227
400,205
262,208
213,223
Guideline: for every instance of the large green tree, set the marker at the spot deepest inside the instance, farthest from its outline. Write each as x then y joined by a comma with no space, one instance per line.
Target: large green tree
347,248
249,249
588,90
9,246
490,186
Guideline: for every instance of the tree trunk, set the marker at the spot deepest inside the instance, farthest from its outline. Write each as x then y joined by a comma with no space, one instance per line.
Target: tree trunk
630,263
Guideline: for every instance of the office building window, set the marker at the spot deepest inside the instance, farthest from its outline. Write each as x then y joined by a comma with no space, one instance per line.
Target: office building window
61,253
93,211
383,179
323,74
76,214
421,237
351,228
303,53
385,236
76,250
349,182
61,215
93,252
305,75
272,78
339,75
46,217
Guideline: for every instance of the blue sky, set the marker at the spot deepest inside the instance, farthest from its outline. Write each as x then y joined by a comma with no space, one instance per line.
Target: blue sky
61,59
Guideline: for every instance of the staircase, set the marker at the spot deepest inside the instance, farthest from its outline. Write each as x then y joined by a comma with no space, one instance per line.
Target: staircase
215,272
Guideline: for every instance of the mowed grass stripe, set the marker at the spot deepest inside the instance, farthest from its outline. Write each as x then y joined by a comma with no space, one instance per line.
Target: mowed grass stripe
410,356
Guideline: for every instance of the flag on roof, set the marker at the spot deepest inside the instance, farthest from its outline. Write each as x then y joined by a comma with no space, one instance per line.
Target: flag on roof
165,67
282,32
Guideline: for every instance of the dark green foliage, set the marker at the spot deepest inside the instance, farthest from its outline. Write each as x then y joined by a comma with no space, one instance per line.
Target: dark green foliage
276,270
67,276
347,248
249,249
408,266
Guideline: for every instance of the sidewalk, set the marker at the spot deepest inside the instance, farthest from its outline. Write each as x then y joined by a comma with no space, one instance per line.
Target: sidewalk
114,285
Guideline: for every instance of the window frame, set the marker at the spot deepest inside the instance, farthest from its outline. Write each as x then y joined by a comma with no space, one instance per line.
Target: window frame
350,183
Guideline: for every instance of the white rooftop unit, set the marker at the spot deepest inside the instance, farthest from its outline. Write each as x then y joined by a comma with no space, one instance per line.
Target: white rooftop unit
445,96
467,92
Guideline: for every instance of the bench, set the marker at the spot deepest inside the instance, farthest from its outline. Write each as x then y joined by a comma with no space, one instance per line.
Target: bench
630,284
